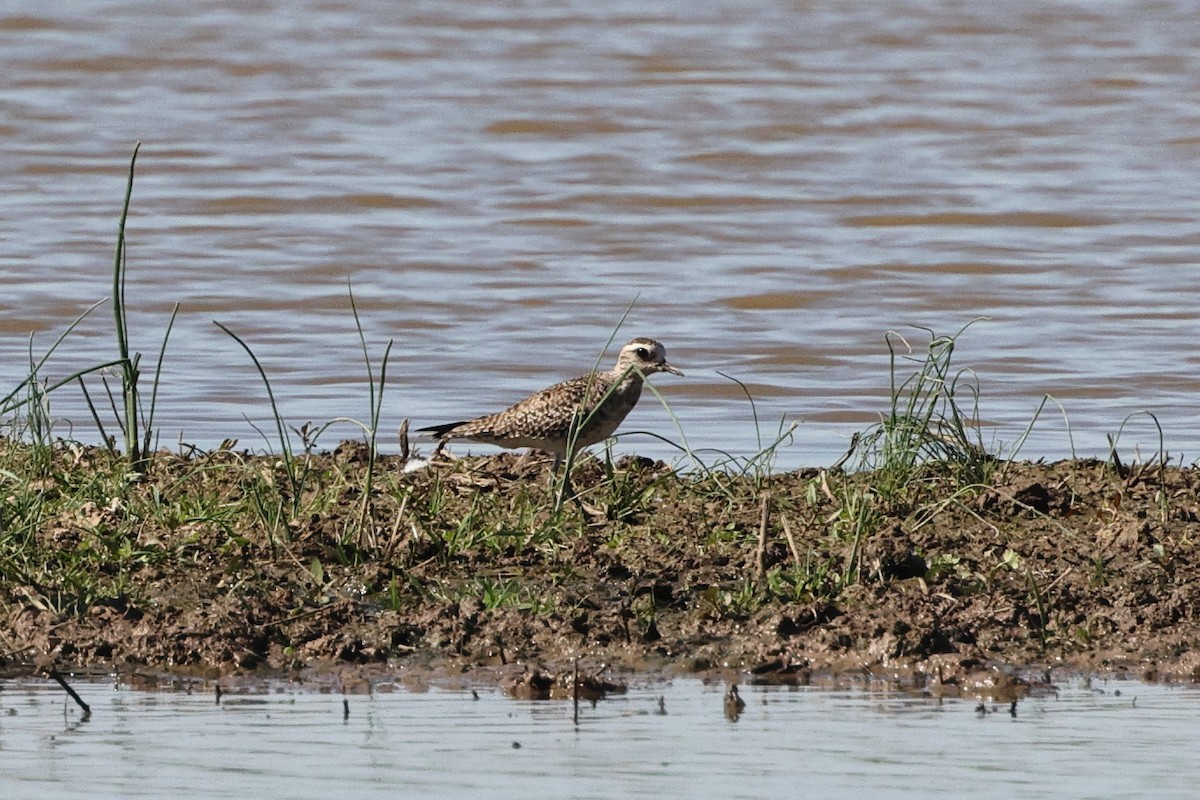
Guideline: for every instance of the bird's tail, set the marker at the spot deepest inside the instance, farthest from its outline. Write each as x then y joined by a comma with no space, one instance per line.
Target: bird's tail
438,431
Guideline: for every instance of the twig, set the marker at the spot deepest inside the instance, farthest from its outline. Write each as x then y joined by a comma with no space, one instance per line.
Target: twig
849,452
389,548
87,711
1059,579
787,532
760,558
825,490
575,691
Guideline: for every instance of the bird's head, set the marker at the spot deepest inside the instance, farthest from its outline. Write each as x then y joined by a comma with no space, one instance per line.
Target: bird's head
647,355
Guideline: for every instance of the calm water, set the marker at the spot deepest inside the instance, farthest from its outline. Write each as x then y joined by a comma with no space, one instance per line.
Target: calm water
1111,740
771,185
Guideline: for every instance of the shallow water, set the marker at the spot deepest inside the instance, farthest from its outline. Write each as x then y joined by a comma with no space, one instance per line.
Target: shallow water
771,185
1111,739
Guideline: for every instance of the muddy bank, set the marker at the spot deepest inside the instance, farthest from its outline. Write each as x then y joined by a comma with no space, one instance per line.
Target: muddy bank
229,562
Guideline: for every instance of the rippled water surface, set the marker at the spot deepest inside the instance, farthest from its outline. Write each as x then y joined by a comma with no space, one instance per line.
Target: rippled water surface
768,186
1110,740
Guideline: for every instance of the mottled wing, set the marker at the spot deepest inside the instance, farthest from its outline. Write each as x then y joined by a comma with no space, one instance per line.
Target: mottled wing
544,416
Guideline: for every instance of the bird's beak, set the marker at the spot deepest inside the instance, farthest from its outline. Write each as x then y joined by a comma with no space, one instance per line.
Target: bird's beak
665,367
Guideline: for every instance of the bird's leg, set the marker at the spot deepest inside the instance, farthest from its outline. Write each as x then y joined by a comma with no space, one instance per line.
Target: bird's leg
564,489
560,485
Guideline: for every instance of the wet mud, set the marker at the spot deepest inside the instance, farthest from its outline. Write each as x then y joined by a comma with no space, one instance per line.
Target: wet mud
465,566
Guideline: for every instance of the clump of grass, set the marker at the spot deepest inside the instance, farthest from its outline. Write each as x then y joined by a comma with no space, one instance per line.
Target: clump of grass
928,436
279,505
376,383
133,412
137,418
26,409
68,541
286,503
932,421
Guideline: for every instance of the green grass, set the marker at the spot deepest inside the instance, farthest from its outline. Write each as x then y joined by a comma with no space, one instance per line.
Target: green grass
932,421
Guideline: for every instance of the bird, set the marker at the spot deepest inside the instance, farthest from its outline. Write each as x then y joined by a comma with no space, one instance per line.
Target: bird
570,415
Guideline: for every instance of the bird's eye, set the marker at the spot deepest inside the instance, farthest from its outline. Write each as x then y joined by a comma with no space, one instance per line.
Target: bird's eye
643,354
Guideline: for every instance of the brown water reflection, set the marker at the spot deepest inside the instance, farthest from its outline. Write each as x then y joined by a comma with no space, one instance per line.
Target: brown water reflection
772,186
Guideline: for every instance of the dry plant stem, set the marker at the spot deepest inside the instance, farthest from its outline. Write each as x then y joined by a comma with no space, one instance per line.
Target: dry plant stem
791,540
393,540
764,518
1059,579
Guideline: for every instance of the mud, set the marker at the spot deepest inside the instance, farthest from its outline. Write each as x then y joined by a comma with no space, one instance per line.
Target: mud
464,566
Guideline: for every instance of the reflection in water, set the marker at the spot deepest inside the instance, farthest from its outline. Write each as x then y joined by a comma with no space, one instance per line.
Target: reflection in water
771,186
1108,739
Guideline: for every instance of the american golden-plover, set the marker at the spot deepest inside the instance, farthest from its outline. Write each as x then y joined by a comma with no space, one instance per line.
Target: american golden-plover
593,404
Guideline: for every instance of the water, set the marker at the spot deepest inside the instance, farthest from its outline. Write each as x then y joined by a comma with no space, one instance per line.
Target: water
771,185
1110,740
